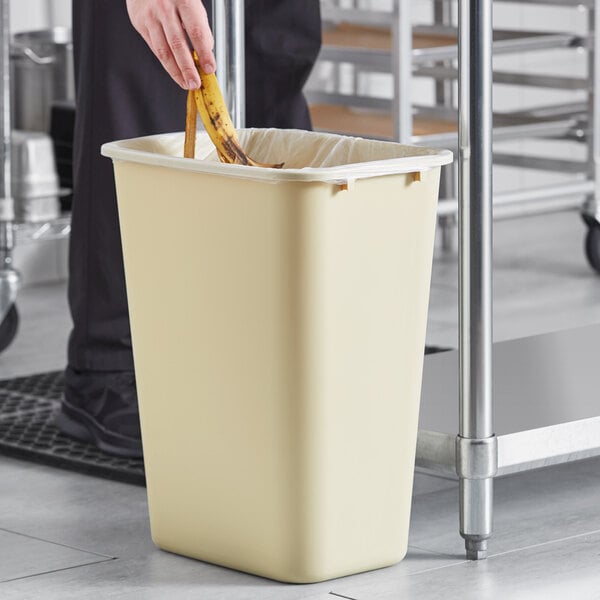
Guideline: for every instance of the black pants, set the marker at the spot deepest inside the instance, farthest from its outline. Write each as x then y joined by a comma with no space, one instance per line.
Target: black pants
123,92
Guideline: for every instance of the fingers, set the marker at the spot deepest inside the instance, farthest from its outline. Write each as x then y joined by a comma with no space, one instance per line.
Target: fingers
180,51
158,43
195,20
166,26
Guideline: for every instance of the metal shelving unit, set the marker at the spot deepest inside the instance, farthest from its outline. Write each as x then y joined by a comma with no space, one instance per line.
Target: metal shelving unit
380,41
540,407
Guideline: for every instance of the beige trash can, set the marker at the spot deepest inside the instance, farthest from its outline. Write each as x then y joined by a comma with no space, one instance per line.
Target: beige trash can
278,321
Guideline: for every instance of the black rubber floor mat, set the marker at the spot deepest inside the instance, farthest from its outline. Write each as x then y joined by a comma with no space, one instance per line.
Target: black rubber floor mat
27,431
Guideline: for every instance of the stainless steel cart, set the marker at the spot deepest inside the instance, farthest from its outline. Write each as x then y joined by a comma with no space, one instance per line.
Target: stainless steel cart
10,231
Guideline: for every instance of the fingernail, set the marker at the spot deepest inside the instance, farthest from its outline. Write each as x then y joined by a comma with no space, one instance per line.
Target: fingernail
193,85
208,68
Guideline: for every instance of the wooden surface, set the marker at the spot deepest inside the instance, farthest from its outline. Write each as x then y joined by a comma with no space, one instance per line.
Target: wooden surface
330,117
347,35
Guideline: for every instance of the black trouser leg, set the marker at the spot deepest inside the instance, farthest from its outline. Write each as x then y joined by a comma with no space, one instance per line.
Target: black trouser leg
123,92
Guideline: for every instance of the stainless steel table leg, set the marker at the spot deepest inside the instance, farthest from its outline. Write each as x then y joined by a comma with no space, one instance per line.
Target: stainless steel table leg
476,450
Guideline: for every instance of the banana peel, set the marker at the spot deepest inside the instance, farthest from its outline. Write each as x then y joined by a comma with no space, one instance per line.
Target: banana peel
189,146
211,107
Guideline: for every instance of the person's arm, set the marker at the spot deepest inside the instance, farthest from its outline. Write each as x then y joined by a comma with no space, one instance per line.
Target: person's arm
166,26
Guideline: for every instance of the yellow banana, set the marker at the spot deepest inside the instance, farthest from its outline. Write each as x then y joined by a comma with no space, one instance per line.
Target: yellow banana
217,121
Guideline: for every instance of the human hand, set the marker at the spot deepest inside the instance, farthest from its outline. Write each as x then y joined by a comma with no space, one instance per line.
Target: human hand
164,24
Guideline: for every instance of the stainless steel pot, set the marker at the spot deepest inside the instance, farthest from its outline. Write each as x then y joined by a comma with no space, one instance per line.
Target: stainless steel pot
42,72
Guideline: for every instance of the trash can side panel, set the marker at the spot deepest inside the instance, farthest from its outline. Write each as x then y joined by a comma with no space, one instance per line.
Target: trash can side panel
292,361
210,267
368,266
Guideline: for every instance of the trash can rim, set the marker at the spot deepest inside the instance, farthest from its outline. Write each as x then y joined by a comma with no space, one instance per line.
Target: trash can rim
128,151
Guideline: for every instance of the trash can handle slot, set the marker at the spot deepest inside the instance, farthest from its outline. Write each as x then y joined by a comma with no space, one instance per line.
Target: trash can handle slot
346,186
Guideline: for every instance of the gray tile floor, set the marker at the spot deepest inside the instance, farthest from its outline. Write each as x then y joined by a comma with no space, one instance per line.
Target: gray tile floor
65,535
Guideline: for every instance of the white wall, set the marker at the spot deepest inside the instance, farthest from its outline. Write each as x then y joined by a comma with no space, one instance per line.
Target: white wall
28,15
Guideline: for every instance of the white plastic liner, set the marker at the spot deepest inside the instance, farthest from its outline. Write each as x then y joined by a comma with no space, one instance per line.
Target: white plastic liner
308,156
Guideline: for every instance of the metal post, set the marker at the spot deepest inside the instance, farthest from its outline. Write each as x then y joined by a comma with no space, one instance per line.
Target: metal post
592,206
6,206
476,448
9,278
444,96
402,71
228,28
444,88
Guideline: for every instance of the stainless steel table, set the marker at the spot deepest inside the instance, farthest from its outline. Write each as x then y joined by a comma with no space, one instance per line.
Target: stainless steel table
546,408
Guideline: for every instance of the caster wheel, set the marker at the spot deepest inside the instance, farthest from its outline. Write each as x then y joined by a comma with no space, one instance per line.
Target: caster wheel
9,328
